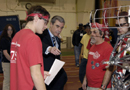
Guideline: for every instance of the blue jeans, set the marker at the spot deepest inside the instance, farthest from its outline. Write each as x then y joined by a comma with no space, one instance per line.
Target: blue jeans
77,50
82,69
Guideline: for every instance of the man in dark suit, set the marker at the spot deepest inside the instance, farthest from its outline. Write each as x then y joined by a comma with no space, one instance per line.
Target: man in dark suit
51,51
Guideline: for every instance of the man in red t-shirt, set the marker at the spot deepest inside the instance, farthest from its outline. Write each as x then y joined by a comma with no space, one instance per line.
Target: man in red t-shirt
26,69
95,69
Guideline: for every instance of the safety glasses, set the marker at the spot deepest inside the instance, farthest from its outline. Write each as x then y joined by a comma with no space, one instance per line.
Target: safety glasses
120,25
93,32
46,21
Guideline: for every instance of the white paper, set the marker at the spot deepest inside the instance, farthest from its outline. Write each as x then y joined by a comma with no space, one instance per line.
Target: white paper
57,65
129,16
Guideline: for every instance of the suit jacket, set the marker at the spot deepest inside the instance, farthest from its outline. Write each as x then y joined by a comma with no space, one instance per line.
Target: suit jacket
48,59
61,78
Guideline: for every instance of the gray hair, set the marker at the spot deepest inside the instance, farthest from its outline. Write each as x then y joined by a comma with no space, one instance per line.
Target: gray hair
59,18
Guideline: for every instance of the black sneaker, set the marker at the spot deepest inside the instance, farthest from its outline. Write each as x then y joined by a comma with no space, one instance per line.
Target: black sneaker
80,88
77,65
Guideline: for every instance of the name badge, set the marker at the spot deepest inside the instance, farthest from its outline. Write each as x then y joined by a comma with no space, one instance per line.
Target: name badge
81,34
93,67
97,64
92,62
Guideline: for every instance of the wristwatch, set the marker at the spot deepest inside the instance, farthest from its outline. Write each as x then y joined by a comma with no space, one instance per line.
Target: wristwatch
103,87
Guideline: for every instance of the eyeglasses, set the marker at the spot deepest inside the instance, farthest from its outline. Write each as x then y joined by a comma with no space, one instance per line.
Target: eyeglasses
120,25
93,32
46,21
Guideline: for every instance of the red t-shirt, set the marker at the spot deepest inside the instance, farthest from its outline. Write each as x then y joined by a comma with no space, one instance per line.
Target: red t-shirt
95,68
26,51
89,45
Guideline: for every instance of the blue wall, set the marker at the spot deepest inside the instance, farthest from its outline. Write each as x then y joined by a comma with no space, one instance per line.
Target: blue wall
13,19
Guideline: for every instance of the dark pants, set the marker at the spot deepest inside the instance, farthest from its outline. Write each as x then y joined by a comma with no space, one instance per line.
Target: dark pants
77,50
82,69
58,82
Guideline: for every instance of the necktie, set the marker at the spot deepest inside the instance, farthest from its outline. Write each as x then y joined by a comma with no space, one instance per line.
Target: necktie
54,41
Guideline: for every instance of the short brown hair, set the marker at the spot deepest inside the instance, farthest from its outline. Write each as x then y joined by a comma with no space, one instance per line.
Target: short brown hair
37,9
123,14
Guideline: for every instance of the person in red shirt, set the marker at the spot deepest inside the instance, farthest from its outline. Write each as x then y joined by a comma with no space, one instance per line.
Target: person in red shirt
26,71
95,69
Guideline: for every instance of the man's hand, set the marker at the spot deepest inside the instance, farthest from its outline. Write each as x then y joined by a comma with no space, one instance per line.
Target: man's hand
80,57
54,50
84,84
46,73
